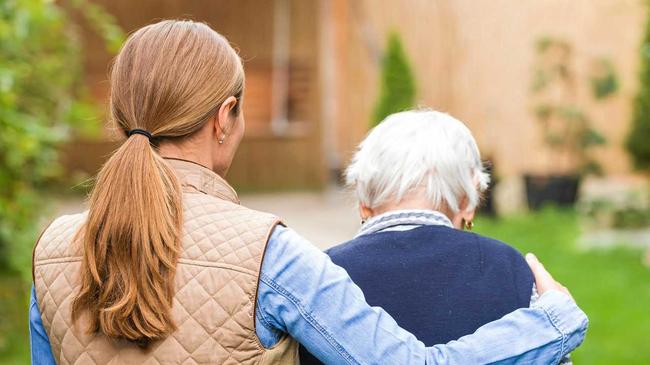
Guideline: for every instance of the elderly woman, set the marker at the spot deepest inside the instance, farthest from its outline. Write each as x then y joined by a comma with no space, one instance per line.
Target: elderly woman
418,179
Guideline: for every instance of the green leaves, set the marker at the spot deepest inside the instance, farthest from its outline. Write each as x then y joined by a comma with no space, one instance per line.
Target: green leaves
571,114
103,23
592,137
42,101
638,140
605,82
397,83
565,126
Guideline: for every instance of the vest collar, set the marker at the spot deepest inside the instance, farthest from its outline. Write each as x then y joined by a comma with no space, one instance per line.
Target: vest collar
198,177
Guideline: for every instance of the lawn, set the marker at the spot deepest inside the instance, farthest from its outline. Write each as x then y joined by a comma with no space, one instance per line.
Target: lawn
14,335
610,285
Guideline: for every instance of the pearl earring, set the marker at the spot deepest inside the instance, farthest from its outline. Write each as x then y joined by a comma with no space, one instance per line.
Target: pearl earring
222,139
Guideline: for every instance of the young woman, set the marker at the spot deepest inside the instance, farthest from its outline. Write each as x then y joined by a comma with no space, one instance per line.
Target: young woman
167,267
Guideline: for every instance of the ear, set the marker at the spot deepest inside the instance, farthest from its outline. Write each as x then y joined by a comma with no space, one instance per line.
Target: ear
467,215
365,212
225,116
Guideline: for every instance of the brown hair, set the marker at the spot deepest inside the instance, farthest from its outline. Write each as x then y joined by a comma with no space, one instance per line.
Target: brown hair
169,78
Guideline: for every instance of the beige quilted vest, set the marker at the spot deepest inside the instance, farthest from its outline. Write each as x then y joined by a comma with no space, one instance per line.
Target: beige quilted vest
216,285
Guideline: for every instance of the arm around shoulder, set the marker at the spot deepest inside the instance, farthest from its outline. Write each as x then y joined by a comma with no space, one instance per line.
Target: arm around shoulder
304,294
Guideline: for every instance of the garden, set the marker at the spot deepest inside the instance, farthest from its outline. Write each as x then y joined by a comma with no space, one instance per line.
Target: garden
44,104
611,285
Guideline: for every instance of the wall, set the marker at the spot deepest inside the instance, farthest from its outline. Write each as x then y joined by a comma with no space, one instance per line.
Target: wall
266,159
474,59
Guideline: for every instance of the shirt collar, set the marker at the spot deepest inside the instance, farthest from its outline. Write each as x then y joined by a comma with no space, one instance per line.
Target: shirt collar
198,177
408,217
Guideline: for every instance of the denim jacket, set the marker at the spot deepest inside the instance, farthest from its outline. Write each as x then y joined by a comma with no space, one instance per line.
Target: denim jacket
303,294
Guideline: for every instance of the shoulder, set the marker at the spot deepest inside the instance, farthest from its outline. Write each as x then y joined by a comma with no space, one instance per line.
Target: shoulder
500,256
489,246
491,250
500,249
340,248
420,236
284,241
353,245
66,222
204,210
55,238
292,257
63,227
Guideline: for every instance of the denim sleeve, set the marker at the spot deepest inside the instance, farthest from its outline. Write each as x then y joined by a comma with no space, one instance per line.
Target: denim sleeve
41,350
566,360
303,294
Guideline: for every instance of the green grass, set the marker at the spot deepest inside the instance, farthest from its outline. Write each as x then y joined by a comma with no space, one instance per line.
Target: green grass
14,335
611,286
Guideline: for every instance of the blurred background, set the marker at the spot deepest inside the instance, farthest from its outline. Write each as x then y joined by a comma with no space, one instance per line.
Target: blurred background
556,92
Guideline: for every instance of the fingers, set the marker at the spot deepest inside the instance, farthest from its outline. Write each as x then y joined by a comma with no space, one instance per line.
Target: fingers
543,279
566,291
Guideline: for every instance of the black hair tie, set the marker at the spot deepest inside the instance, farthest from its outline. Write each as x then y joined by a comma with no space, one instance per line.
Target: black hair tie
141,132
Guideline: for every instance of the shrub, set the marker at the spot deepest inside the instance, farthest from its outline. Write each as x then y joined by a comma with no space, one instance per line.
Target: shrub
567,130
638,141
42,100
397,91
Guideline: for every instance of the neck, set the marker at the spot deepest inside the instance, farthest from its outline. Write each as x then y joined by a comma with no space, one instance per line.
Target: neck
415,202
172,150
411,203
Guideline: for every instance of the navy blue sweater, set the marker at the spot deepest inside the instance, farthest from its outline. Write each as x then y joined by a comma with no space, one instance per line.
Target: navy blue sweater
437,282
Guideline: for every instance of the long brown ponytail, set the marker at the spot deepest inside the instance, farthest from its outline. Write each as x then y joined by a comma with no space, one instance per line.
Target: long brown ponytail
168,79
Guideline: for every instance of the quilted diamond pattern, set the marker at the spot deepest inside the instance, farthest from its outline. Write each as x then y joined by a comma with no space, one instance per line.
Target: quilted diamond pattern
216,283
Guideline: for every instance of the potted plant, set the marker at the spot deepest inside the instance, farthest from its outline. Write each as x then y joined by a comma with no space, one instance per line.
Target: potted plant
638,141
566,128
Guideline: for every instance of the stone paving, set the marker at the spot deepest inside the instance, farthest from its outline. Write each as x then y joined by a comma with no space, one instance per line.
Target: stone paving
325,218
330,217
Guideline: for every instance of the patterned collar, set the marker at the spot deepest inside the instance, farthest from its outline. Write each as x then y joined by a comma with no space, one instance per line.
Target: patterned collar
402,220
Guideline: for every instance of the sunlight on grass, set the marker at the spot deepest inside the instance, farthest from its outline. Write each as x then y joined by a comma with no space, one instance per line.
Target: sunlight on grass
612,286
14,335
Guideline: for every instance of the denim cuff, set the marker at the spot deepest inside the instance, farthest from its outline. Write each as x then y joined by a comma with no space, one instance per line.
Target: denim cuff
566,317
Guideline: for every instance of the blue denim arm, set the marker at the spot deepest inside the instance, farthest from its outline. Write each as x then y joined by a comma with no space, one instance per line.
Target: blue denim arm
41,350
542,334
304,294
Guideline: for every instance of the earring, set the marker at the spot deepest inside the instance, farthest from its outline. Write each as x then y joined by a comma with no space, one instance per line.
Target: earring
222,138
469,225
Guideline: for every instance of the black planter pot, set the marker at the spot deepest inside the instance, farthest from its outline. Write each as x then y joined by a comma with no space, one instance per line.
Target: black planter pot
560,190
487,205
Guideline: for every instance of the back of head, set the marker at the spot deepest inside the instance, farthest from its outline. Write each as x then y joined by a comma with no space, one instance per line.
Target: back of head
418,150
168,79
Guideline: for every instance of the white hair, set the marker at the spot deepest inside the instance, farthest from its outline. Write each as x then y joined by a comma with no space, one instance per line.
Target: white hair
418,150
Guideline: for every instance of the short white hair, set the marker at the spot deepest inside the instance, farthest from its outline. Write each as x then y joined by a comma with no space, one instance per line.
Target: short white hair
420,149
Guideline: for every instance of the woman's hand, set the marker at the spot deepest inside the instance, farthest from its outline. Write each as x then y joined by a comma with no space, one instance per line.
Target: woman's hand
543,279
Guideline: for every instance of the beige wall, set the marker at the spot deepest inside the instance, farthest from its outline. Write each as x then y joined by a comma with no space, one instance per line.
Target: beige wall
474,59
